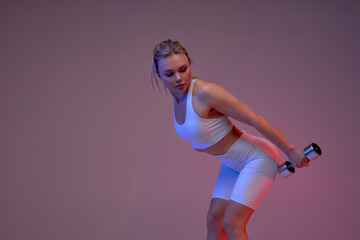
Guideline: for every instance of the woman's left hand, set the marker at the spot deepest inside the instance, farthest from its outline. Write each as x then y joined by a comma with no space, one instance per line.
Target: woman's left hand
297,158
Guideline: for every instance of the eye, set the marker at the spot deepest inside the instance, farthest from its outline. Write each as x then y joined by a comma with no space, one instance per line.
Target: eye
183,69
169,74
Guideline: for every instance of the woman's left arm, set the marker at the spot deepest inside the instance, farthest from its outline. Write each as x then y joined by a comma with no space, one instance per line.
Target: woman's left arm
223,101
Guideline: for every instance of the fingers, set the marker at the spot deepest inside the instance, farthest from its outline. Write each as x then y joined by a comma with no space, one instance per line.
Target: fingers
300,165
305,162
298,159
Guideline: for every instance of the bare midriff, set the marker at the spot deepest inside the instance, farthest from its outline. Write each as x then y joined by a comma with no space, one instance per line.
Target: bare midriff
224,144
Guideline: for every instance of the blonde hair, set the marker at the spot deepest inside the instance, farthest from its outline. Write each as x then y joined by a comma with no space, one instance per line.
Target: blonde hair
162,50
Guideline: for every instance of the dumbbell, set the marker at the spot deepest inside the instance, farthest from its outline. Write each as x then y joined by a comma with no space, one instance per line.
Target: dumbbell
311,152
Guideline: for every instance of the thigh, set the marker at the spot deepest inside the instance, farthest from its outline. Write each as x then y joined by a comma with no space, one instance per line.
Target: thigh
254,181
225,183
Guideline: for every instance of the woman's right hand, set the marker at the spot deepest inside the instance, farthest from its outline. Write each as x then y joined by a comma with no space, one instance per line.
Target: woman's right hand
297,158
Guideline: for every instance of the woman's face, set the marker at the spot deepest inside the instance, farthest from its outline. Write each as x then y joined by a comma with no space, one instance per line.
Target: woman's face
175,73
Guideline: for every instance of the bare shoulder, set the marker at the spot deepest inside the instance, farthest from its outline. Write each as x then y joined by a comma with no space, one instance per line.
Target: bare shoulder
206,90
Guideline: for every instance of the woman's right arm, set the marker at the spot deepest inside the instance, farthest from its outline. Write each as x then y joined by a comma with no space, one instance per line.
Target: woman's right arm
222,101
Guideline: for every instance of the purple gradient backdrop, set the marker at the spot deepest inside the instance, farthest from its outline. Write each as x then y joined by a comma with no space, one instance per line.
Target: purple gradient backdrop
88,150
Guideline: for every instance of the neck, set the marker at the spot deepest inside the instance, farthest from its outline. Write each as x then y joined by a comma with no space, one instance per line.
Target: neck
179,97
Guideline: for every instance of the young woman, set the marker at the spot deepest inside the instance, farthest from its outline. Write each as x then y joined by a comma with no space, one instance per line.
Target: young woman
249,163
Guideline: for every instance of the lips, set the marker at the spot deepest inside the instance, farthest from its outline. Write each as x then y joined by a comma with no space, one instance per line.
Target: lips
180,86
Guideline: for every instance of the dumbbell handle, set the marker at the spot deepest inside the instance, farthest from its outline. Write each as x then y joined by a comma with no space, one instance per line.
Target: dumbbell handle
311,152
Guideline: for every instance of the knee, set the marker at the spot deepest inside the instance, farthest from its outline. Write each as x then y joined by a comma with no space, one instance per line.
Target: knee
214,218
234,225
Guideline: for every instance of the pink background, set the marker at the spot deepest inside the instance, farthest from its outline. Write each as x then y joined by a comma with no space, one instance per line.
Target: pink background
88,149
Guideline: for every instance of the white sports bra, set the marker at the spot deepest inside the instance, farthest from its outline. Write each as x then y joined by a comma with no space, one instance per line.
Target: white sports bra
201,132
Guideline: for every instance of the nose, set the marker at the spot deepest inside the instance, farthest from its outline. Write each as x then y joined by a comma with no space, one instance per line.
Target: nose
177,77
